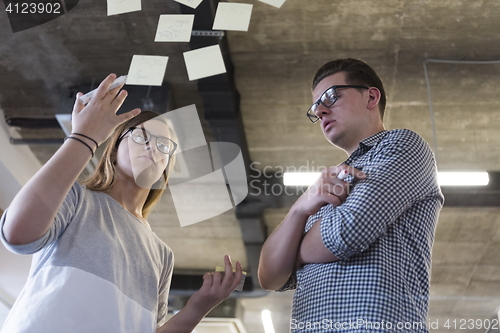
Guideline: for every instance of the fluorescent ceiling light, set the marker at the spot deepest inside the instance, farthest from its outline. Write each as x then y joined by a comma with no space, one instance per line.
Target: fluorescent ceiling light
463,178
300,178
267,321
444,178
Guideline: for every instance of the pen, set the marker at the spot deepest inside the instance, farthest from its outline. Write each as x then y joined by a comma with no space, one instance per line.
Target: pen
118,82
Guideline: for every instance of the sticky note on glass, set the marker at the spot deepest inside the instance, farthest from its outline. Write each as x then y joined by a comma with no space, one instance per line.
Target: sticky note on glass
232,16
239,287
275,3
123,6
190,3
146,70
204,62
174,28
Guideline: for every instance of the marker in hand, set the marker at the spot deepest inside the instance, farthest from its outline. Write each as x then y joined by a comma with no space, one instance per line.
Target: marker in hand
342,175
118,82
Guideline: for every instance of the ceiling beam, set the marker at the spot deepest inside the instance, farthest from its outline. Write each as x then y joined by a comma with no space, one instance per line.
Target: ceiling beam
222,111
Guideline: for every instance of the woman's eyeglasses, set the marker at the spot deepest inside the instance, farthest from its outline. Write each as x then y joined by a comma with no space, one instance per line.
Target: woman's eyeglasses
142,136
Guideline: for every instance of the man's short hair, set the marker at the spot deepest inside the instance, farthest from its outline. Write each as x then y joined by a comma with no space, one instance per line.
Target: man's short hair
357,72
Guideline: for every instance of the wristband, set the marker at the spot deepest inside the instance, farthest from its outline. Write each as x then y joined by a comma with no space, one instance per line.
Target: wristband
96,145
70,137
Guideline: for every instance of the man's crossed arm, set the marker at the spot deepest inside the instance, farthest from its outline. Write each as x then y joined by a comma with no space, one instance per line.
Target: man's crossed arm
287,246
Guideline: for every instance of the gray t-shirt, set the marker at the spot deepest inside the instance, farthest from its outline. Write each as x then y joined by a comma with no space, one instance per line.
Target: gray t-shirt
97,269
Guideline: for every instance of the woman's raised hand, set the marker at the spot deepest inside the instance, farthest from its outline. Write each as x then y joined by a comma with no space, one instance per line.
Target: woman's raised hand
98,118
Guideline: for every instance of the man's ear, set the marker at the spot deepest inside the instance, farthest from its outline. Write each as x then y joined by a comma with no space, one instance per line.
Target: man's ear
373,97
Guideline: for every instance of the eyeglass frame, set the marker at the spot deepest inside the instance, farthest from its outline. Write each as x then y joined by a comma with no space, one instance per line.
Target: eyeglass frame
319,101
130,129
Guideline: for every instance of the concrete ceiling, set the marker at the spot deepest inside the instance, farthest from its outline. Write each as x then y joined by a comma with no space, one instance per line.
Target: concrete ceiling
273,65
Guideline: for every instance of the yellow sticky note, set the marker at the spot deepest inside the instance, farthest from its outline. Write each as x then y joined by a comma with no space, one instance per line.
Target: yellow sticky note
239,287
275,3
174,28
147,70
116,7
204,62
232,16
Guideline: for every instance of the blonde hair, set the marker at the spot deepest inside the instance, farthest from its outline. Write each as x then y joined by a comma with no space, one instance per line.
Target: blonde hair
103,177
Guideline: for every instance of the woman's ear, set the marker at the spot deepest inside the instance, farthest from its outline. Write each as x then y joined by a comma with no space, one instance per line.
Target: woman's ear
373,97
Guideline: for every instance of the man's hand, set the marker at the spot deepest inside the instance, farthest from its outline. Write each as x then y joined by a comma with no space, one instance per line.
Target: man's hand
335,192
328,189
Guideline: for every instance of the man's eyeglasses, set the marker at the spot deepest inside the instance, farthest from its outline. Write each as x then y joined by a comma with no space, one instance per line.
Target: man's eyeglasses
142,136
327,99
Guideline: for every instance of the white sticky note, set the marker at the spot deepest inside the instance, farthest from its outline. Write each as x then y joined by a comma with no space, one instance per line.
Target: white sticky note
204,62
275,3
190,3
123,6
174,28
188,128
201,198
232,16
146,70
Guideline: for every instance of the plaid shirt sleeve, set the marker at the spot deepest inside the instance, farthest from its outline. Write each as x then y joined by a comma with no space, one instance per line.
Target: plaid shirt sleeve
401,173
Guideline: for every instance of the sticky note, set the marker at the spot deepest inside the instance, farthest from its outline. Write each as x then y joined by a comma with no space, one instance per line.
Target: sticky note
123,6
174,28
190,3
239,287
275,3
204,62
147,70
232,16
210,194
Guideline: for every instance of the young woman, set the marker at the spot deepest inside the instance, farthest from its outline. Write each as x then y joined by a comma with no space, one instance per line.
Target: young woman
97,266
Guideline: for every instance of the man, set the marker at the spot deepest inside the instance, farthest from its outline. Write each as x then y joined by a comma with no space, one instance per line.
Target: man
358,251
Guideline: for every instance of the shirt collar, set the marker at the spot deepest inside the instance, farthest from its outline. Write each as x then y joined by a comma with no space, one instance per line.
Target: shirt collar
366,144
374,139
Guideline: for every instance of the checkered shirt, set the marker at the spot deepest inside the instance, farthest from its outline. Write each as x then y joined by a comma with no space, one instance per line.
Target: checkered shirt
383,235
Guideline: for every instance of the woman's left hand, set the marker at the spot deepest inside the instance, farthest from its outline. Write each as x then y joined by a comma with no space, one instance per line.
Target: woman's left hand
216,287
214,290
